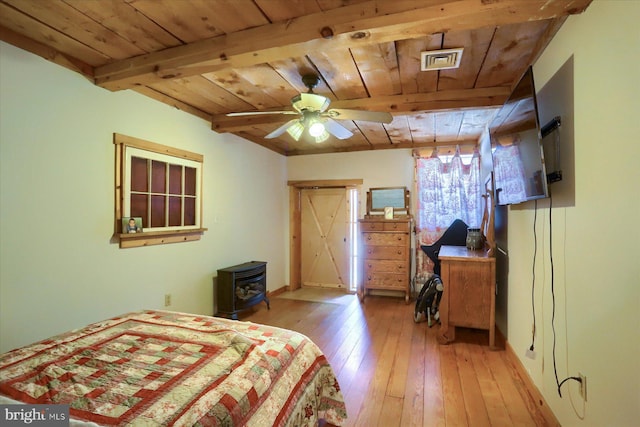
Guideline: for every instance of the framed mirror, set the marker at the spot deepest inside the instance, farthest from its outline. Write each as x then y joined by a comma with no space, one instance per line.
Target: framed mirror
388,197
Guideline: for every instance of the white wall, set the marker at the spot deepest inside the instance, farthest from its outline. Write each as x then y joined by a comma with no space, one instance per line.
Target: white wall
377,168
58,269
595,240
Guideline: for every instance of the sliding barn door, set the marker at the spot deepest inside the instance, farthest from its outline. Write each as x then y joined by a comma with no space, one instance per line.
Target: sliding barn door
324,237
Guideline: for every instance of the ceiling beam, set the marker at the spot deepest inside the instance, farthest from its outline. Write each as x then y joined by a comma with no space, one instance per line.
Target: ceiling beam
355,25
397,105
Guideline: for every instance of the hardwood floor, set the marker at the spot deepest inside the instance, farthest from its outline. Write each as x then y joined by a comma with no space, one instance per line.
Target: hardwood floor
392,371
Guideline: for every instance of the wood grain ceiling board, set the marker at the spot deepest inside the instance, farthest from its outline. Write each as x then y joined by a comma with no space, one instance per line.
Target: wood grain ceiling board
422,127
195,20
509,53
378,65
283,10
476,44
128,23
221,96
19,23
334,4
57,14
268,81
233,80
209,58
338,68
448,124
292,70
474,122
412,79
398,130
194,91
374,133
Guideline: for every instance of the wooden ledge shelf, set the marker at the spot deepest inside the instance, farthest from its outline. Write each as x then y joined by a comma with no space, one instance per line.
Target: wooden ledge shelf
150,238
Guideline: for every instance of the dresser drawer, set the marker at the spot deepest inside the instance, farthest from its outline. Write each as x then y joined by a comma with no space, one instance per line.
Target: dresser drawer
385,266
385,239
385,226
385,252
396,226
372,226
386,281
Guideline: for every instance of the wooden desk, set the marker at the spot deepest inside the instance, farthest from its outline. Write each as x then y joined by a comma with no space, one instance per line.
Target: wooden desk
469,297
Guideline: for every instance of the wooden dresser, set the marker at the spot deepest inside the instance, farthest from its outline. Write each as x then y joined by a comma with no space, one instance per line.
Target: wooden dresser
469,297
386,254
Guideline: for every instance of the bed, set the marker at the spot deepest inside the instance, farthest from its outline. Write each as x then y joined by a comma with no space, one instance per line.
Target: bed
169,368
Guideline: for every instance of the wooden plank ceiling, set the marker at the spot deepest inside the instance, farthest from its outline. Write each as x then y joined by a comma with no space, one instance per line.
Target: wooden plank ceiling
213,57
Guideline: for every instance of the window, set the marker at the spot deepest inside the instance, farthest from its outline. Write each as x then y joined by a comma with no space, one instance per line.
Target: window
162,186
162,190
446,191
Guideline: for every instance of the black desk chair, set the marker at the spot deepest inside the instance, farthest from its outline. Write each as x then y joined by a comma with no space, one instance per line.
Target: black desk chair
455,235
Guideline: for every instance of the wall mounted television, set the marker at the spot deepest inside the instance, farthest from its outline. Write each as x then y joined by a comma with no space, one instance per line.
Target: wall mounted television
516,147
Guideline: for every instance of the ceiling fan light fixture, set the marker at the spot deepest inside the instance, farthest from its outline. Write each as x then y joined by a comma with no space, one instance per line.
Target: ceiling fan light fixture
322,137
310,102
316,129
314,116
295,130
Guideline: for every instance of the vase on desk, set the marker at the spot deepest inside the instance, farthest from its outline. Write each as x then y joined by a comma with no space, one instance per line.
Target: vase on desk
475,239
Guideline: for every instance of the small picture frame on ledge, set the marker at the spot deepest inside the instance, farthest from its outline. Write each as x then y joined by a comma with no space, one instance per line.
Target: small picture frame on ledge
388,212
132,225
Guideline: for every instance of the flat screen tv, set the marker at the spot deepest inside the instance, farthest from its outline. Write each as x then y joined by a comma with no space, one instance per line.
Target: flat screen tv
516,147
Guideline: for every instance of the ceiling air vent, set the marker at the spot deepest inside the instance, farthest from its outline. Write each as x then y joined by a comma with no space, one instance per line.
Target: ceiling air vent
440,59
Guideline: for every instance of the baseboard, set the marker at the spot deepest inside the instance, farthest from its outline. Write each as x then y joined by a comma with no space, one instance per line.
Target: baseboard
529,386
277,291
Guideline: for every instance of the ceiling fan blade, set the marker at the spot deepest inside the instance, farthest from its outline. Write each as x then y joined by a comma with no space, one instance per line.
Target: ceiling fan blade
254,113
337,130
282,129
362,115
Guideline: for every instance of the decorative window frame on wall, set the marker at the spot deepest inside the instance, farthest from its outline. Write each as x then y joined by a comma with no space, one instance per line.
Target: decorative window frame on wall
175,225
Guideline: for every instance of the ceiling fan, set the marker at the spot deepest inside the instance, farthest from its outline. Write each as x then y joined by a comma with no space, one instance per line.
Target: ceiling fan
315,117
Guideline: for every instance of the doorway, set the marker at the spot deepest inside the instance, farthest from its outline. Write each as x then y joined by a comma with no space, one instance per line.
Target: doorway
323,234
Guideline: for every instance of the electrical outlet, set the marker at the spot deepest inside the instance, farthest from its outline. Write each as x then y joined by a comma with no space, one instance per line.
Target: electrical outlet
167,300
583,386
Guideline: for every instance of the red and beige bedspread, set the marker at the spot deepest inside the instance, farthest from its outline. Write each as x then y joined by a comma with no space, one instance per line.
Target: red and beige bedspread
168,368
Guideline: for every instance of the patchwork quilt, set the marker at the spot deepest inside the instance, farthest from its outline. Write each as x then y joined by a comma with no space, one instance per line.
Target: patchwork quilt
158,368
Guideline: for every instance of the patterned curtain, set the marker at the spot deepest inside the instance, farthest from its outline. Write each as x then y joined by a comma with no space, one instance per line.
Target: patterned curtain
509,174
446,192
